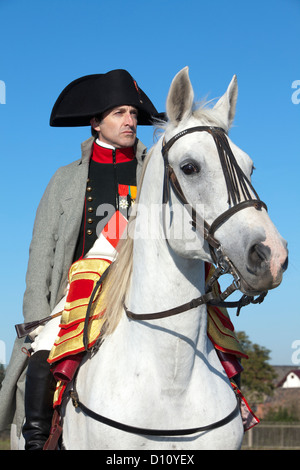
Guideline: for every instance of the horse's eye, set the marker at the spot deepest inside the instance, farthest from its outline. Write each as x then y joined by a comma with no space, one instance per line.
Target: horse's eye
190,168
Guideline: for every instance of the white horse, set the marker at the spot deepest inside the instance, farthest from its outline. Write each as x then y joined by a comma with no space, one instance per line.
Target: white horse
164,374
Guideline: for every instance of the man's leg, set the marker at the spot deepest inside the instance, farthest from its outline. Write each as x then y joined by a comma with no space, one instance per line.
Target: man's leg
39,391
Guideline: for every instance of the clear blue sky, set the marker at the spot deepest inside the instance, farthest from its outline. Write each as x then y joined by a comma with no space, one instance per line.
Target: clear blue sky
47,44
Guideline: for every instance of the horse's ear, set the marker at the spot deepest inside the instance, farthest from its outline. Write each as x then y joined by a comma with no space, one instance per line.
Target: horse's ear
227,103
180,98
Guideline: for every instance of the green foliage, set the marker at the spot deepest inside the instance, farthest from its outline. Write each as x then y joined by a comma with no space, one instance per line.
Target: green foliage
258,376
281,414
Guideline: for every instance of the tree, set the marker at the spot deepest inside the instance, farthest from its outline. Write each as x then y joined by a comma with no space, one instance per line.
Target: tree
257,378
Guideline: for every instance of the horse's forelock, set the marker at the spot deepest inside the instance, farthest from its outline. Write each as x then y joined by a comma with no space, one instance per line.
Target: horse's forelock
203,112
208,115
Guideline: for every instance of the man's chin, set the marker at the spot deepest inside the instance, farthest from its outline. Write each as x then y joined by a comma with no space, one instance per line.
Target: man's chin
127,141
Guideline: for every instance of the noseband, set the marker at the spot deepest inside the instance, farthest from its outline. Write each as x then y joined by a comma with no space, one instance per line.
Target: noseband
239,190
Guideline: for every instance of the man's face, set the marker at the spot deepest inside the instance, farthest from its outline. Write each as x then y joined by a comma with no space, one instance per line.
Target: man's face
118,126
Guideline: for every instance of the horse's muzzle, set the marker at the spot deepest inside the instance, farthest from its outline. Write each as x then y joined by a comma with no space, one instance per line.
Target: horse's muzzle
265,267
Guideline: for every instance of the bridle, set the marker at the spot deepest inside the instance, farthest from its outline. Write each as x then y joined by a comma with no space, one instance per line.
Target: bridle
239,190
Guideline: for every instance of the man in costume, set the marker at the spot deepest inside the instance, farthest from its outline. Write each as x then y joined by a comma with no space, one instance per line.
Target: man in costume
68,221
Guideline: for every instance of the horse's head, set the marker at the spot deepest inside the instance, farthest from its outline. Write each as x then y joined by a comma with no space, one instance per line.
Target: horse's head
211,175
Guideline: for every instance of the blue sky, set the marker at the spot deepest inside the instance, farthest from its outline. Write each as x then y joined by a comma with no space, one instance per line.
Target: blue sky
47,44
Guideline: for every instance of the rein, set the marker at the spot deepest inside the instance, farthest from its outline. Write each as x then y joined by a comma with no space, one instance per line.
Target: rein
149,432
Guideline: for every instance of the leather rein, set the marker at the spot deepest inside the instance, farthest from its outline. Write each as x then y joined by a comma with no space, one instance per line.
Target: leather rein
146,431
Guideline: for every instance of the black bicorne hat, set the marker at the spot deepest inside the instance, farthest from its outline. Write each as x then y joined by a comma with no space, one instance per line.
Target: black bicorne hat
92,95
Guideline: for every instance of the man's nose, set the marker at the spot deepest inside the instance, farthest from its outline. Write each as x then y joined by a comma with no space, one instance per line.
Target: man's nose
129,119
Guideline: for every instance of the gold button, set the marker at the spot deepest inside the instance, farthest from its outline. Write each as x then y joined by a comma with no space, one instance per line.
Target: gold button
90,209
89,232
90,198
89,189
88,180
90,221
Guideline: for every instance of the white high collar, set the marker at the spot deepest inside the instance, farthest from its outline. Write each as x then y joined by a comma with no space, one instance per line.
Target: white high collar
103,144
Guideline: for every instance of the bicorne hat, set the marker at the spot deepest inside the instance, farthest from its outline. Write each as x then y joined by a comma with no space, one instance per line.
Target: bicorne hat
92,95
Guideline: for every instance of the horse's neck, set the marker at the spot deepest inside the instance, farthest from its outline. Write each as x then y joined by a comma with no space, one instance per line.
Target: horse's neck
160,282
161,279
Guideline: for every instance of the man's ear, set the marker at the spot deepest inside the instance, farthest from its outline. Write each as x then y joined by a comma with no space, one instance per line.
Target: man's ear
95,124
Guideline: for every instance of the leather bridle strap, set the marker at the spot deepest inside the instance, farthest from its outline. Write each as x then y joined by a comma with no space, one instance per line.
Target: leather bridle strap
236,183
207,298
197,219
204,299
150,432
223,148
190,130
256,203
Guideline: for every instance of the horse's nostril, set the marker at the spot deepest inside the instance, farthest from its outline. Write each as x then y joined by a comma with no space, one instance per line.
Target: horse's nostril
285,264
258,255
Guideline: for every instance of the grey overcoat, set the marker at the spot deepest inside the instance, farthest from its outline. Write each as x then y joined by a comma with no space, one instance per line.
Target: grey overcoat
54,239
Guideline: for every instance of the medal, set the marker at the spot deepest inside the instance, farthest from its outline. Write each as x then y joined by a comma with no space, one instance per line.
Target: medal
132,194
123,193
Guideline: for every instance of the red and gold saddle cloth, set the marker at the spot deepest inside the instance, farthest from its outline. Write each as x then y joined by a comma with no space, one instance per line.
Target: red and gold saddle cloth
83,276
66,353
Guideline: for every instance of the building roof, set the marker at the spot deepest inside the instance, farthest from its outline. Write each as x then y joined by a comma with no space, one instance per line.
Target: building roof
282,371
294,371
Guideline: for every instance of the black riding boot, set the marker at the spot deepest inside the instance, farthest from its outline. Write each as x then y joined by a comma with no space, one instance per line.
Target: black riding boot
39,391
